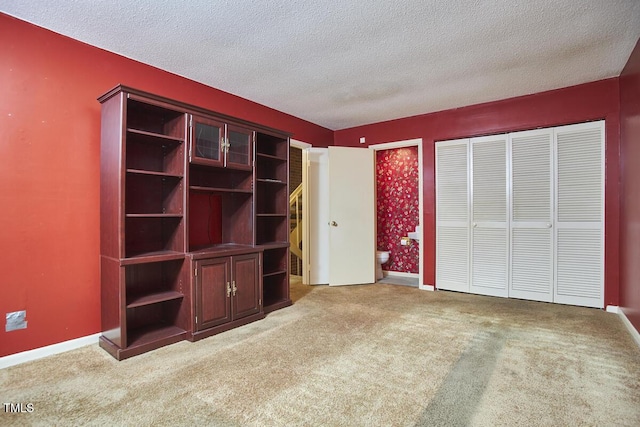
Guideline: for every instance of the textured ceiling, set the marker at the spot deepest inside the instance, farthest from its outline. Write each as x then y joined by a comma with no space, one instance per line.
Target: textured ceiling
341,63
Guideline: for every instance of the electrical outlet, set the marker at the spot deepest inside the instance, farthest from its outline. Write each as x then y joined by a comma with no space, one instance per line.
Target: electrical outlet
16,320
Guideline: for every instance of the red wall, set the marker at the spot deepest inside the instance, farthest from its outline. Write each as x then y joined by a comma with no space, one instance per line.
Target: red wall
398,207
49,172
630,191
591,101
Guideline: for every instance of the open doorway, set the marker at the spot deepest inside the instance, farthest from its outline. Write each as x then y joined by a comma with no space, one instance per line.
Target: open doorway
325,217
399,205
296,213
296,208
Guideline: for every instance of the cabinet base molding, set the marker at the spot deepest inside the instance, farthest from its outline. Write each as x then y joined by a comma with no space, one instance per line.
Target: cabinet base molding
198,335
277,306
125,353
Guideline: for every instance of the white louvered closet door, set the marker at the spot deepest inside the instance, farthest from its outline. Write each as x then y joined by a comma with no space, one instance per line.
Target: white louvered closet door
531,252
579,266
452,215
489,231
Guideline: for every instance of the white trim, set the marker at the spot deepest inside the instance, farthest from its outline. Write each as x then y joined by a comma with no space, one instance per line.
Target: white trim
299,144
50,350
421,286
632,330
396,144
613,309
410,143
400,274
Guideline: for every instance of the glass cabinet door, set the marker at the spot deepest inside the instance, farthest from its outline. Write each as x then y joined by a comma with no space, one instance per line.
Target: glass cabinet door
207,142
239,147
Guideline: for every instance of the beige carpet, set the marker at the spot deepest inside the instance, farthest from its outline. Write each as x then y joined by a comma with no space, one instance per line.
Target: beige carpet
375,355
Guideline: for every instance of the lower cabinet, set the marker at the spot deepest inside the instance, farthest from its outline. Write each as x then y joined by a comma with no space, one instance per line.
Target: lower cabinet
228,292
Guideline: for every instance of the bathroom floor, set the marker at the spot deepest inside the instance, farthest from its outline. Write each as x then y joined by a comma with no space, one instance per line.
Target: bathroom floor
399,280
388,280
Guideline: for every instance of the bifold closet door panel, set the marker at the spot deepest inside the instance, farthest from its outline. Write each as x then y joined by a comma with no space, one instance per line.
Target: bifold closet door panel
489,215
531,216
452,215
579,230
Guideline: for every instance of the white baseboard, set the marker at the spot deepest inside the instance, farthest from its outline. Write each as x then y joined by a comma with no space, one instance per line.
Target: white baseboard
39,353
632,330
412,275
613,309
399,274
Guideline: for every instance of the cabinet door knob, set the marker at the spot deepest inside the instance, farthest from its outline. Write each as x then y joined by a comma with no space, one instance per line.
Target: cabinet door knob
233,287
228,290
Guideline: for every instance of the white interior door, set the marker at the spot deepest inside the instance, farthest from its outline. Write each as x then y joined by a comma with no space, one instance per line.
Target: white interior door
579,210
452,215
315,241
489,231
352,216
532,246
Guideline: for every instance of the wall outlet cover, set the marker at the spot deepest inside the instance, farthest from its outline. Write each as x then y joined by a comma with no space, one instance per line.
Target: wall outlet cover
16,320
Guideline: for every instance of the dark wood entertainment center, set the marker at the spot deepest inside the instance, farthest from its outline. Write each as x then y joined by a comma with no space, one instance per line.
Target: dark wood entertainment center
194,222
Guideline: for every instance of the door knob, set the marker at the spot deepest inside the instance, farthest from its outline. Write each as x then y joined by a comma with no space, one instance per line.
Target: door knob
334,224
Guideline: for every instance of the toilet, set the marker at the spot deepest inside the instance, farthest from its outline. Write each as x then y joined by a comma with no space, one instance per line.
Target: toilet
381,258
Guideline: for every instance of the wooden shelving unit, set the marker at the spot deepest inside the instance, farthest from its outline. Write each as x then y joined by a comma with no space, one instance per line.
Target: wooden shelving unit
185,190
144,265
272,217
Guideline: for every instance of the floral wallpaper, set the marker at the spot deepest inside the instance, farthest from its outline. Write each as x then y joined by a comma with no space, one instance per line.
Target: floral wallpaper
398,206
